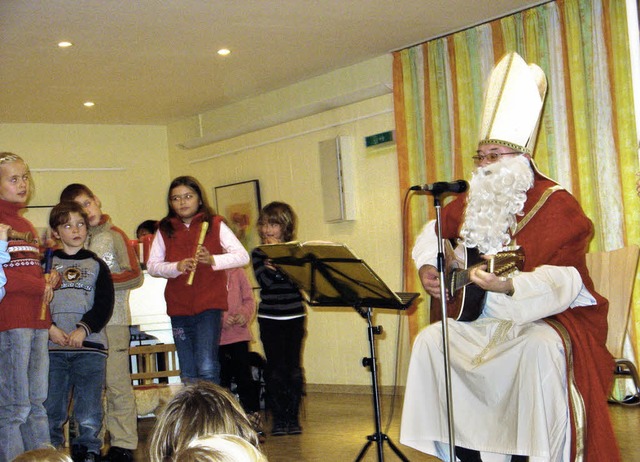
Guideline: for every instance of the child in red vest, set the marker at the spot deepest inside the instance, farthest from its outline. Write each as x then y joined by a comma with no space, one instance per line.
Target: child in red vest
193,262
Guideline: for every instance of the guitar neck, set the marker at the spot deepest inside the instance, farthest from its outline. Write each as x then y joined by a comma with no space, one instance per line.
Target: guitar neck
463,277
497,264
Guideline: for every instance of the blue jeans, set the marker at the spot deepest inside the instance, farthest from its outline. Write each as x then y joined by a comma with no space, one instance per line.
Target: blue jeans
82,374
197,338
24,373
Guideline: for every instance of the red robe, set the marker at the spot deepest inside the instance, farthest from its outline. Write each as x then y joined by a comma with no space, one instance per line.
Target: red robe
558,234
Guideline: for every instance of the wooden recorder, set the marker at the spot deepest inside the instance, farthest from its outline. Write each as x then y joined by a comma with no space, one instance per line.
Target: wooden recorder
203,232
17,235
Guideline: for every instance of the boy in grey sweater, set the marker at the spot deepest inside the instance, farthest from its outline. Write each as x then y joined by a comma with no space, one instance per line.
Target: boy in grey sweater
81,307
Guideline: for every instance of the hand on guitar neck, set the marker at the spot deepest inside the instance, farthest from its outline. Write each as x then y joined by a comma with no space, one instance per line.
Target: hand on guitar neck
490,282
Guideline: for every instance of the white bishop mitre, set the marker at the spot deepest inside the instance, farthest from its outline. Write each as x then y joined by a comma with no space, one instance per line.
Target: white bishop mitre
513,104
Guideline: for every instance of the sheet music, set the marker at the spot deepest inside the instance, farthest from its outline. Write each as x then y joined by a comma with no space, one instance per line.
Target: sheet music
330,274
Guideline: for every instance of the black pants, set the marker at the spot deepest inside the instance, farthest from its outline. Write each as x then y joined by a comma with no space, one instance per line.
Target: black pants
284,379
235,367
471,455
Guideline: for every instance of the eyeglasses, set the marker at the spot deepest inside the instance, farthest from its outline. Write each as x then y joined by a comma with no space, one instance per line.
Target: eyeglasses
179,198
492,156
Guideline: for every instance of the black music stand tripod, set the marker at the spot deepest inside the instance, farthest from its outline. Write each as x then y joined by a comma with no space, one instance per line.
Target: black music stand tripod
378,437
329,274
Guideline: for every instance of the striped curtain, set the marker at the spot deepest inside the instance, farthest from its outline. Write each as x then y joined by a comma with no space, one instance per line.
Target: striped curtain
587,140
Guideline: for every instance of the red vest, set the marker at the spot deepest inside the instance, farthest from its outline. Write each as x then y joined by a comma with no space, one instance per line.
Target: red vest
209,288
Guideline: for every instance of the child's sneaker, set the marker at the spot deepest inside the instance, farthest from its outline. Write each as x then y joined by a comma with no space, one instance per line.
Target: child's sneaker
117,454
78,453
92,457
279,429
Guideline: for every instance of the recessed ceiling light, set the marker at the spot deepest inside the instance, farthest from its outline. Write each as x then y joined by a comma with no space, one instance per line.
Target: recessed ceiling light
89,104
65,44
224,51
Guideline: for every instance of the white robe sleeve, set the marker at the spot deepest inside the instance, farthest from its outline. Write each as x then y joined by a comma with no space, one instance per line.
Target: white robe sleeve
425,250
543,292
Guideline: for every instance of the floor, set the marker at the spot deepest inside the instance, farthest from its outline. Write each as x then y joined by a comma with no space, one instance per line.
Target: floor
336,427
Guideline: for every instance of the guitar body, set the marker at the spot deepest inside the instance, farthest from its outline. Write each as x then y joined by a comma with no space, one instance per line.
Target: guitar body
465,300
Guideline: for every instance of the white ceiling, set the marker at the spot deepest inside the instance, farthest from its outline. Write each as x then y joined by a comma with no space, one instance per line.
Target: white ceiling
155,61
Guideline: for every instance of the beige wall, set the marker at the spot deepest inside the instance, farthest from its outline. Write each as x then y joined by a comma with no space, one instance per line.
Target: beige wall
285,160
125,166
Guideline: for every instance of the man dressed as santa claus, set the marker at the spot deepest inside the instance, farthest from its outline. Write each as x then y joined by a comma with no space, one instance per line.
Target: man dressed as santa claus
530,377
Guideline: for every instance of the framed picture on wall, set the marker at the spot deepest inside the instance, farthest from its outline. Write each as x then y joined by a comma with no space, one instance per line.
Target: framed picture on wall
240,204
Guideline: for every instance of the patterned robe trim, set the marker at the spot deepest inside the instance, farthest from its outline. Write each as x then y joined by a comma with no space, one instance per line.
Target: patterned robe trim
576,403
522,223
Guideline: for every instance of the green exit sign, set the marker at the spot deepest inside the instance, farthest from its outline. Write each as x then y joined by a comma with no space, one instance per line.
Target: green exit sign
379,138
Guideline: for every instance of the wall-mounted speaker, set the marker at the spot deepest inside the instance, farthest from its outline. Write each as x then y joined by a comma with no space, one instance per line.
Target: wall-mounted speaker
337,170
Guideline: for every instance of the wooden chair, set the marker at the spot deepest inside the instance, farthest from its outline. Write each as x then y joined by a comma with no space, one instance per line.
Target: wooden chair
148,358
613,274
154,365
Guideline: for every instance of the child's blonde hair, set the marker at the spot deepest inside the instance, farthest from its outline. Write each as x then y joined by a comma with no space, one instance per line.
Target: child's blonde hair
50,454
9,157
220,448
199,409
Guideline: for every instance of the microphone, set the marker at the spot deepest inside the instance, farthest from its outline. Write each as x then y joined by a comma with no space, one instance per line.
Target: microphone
440,187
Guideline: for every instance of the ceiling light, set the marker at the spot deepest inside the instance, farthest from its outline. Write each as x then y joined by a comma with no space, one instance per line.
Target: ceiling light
65,44
224,51
89,104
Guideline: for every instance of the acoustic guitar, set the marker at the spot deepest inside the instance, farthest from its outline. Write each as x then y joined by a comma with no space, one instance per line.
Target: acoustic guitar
465,299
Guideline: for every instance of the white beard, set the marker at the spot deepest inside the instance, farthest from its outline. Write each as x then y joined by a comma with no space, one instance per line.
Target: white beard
497,194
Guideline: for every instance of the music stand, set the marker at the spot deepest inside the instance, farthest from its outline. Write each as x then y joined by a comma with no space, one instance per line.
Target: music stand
329,274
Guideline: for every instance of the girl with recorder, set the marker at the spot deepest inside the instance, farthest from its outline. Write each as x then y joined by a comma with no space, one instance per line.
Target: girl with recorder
24,358
192,248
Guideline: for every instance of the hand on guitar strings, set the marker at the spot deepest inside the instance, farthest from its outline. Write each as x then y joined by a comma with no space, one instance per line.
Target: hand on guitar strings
429,277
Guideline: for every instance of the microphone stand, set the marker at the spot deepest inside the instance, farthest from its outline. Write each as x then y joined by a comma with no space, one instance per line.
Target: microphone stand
444,323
